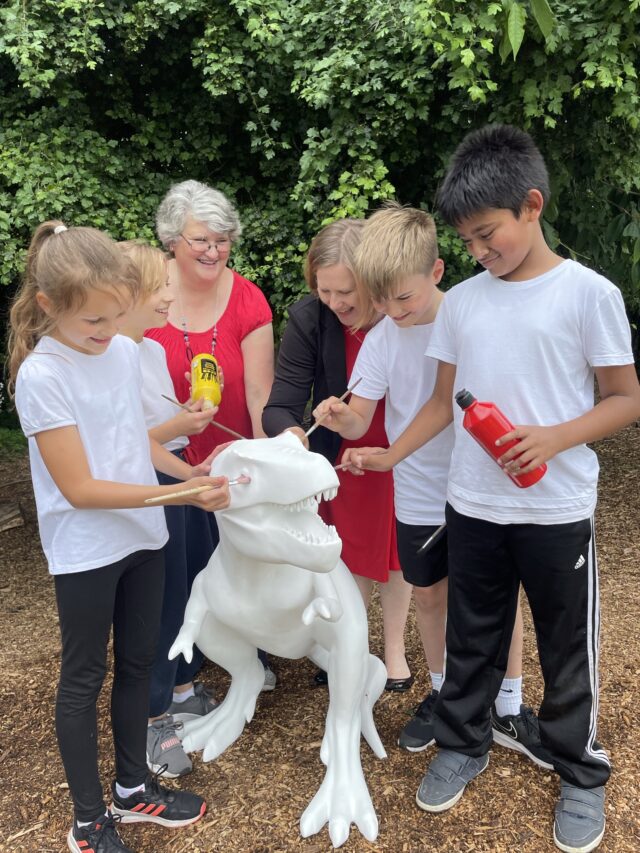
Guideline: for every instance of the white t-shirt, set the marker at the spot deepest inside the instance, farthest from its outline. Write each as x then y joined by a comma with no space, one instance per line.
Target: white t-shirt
156,381
392,362
530,347
100,395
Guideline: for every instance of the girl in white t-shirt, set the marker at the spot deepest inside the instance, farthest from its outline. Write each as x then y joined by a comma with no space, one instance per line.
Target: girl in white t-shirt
174,697
77,392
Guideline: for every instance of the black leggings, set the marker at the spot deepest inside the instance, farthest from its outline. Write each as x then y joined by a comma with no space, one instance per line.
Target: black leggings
127,595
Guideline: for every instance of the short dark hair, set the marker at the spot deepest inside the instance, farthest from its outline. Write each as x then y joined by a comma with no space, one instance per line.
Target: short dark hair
493,167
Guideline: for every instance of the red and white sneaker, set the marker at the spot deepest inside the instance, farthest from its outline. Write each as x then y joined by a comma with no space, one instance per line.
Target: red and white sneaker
101,836
157,804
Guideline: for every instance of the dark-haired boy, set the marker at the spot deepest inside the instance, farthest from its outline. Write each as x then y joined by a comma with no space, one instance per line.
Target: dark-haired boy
529,334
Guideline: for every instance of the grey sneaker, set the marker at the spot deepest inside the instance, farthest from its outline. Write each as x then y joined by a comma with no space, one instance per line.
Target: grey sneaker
521,732
164,748
270,679
579,823
201,703
446,778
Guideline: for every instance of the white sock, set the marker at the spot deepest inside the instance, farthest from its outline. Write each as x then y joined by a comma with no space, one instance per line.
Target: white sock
126,792
182,697
509,698
436,680
89,822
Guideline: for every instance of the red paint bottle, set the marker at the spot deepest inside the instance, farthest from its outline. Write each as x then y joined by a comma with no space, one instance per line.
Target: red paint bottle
486,423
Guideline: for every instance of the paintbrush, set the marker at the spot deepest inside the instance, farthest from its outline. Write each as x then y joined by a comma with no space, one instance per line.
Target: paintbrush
197,490
431,541
326,415
214,423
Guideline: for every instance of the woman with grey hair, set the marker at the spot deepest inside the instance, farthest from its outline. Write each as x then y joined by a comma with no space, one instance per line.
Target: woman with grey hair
214,310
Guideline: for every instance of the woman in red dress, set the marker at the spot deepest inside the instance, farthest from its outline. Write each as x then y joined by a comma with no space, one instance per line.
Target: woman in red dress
316,357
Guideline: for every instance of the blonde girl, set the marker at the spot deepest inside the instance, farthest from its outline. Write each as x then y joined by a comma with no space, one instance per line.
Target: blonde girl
174,697
77,392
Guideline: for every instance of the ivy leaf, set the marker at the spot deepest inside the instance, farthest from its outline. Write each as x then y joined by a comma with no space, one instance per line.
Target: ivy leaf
545,18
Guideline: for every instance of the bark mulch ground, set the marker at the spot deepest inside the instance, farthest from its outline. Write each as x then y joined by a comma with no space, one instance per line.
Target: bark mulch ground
258,789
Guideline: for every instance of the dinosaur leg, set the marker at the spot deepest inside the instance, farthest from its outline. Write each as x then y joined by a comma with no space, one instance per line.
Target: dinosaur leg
376,679
343,797
219,729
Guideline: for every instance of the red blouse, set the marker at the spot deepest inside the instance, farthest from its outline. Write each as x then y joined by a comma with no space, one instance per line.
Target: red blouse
246,311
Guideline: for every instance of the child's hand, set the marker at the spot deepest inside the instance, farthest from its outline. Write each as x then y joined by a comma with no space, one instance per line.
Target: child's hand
338,415
347,459
536,445
214,498
197,419
204,467
367,459
299,433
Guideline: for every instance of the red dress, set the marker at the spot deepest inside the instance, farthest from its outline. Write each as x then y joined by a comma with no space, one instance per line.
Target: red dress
363,512
246,311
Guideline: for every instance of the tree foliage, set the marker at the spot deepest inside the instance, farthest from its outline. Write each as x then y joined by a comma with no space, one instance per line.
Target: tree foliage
303,111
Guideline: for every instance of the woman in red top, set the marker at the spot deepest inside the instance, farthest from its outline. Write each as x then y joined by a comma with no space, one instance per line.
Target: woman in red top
316,356
215,310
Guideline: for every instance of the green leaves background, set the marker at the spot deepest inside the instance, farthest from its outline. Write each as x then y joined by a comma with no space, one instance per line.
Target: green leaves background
304,110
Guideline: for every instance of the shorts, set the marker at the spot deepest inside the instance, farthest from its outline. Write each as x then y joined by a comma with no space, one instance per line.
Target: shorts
428,567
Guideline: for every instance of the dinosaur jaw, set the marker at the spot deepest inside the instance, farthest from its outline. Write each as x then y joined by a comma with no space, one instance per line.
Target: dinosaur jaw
284,533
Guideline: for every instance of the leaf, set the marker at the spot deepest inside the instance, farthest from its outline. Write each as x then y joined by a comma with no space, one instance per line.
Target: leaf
505,47
515,27
545,18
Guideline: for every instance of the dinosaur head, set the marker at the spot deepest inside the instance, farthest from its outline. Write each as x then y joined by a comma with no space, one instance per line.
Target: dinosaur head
274,518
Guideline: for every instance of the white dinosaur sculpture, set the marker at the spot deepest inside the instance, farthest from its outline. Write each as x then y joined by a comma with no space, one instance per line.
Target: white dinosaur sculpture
276,582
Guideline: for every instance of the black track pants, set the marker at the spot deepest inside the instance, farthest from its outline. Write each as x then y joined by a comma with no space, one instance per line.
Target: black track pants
127,595
556,565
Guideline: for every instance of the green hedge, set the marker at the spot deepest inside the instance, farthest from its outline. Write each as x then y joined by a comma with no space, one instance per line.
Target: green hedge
304,111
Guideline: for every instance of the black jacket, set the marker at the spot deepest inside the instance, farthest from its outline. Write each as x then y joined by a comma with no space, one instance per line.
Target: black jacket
311,359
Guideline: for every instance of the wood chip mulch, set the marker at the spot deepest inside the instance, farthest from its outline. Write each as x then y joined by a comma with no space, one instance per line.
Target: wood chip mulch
258,789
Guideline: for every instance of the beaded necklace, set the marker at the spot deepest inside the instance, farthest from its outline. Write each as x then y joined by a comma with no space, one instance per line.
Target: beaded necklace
185,333
187,343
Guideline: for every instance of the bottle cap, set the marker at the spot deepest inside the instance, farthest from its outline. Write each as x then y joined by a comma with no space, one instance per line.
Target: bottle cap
464,398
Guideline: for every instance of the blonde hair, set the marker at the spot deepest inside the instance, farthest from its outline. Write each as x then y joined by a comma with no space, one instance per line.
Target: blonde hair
397,242
337,243
65,266
149,265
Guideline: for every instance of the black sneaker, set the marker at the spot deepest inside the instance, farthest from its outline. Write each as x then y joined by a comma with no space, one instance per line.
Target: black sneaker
157,804
418,733
101,836
521,732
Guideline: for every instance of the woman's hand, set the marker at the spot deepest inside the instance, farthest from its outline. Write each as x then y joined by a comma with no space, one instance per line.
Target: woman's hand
335,415
299,433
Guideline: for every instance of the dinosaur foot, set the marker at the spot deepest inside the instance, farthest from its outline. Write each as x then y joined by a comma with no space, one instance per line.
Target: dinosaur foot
340,804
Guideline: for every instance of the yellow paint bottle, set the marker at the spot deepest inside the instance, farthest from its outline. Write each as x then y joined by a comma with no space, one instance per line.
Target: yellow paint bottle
205,380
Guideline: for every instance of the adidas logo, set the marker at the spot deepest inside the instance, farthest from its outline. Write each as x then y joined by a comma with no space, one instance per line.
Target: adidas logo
580,563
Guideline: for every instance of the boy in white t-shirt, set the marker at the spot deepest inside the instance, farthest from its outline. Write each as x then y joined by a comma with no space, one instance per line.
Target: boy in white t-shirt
398,268
528,334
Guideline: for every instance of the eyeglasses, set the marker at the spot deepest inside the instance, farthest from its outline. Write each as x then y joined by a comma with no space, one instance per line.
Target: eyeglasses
200,246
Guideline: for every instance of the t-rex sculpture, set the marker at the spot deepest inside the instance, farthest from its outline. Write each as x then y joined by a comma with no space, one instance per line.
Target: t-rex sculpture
276,582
